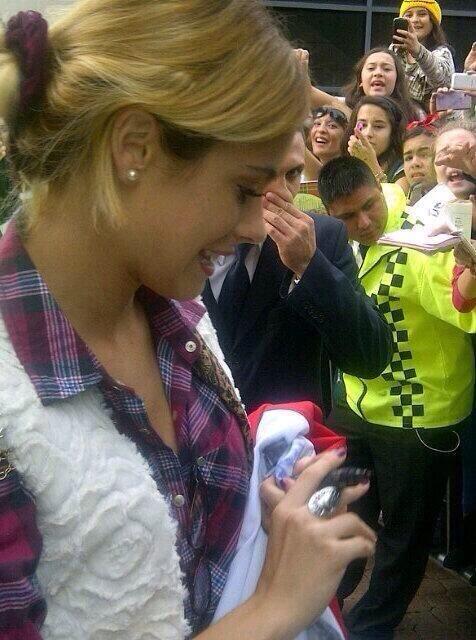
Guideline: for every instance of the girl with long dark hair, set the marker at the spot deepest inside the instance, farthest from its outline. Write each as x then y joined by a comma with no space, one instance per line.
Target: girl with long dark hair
379,72
424,49
375,134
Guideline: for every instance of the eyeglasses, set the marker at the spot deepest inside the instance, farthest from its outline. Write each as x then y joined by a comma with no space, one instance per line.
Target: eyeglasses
336,114
199,576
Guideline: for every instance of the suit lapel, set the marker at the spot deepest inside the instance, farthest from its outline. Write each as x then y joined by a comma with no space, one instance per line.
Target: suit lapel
216,318
265,286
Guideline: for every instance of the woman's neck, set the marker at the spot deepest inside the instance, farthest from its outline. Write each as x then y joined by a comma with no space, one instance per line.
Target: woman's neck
324,158
81,269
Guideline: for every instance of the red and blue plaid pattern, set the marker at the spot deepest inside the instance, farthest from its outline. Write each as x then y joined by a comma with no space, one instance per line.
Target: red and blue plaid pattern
210,441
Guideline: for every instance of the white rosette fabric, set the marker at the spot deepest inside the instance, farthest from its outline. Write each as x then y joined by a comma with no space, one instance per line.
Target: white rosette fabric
109,568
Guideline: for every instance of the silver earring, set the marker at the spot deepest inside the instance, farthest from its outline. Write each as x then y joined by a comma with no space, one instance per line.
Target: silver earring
132,175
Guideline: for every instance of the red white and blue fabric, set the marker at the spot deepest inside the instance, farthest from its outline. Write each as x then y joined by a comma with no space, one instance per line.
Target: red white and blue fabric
272,424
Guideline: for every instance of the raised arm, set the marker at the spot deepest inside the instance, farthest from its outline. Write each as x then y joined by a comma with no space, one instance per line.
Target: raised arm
320,98
330,297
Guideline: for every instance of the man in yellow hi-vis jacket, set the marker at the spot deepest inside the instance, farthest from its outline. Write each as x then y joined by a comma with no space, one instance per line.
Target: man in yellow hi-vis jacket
403,424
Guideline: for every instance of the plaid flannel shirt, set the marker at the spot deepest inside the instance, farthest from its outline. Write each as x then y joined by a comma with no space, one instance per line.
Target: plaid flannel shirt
60,365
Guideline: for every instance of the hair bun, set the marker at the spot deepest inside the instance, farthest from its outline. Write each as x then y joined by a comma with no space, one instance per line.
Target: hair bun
26,37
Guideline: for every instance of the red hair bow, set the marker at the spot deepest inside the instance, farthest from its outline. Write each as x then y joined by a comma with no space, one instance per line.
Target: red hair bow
426,123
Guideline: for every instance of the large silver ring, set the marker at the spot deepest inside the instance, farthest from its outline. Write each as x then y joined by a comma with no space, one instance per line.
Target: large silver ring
324,501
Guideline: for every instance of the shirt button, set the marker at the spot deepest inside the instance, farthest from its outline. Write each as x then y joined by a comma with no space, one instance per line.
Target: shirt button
178,500
190,346
201,462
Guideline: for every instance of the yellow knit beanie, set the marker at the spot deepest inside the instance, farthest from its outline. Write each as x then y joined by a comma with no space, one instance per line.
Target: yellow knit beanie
430,5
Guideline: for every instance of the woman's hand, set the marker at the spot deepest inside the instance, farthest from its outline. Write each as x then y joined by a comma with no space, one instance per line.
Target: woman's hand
470,62
271,494
464,258
407,40
458,156
302,56
360,147
446,112
307,556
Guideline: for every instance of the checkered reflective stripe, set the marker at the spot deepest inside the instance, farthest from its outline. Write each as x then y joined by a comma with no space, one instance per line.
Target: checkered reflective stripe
400,374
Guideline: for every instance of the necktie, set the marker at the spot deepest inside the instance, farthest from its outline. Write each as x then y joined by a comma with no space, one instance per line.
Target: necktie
234,290
363,250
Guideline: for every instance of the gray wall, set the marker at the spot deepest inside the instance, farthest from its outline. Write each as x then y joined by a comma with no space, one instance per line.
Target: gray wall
10,7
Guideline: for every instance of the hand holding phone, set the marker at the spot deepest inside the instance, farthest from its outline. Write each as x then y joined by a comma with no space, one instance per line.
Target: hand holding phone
400,23
452,100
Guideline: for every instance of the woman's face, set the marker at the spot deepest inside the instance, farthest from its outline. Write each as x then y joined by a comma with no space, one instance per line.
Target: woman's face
420,19
379,75
375,124
418,158
326,137
179,221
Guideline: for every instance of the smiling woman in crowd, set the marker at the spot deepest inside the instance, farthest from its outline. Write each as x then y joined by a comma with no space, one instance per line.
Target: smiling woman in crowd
324,141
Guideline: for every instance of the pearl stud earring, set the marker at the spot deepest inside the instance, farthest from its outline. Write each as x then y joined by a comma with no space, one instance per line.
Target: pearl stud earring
132,175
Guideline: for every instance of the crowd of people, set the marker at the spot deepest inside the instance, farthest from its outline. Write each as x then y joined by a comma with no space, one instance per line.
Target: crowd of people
221,392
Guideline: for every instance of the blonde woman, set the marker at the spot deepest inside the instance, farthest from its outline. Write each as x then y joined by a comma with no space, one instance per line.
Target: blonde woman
144,133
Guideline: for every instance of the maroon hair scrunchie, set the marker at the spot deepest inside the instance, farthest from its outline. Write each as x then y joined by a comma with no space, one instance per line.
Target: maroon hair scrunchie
26,37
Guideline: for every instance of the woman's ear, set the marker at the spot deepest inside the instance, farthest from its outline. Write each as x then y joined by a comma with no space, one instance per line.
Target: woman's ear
134,143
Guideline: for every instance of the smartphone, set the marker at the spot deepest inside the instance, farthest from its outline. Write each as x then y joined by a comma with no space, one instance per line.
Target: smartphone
463,81
399,23
453,100
345,477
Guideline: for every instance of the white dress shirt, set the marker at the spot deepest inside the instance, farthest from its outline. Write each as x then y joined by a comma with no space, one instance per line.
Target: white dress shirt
224,263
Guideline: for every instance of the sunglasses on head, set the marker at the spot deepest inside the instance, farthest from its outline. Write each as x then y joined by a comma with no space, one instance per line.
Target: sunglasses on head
336,114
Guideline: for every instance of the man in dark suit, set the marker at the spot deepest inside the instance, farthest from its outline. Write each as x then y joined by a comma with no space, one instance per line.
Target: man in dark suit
283,309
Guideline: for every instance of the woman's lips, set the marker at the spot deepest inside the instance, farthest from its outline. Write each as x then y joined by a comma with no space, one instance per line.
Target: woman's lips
209,259
206,261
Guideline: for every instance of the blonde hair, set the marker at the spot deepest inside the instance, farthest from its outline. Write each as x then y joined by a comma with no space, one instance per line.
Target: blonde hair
209,70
